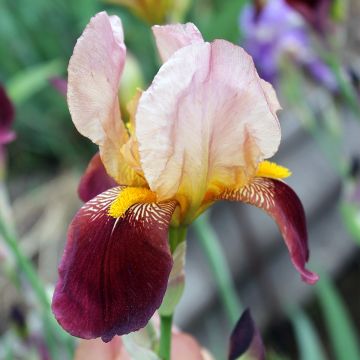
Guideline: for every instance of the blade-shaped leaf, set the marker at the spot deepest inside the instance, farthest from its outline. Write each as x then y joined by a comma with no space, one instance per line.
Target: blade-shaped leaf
343,337
351,217
26,83
307,339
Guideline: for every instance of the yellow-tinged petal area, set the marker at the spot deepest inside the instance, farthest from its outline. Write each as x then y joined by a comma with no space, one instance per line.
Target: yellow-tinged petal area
129,197
269,169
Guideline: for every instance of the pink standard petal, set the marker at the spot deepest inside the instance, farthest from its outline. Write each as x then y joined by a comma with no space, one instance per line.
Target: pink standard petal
114,272
206,113
284,206
170,38
95,70
95,180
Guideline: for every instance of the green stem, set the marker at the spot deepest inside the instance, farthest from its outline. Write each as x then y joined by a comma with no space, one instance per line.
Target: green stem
176,236
219,267
25,266
165,337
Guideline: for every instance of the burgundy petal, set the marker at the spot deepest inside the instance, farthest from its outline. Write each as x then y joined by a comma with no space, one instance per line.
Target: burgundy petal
95,180
7,113
245,338
284,206
114,272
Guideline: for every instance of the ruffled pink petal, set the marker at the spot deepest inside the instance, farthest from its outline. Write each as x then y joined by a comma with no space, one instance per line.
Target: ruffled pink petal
284,206
206,121
170,38
114,272
95,180
94,72
246,338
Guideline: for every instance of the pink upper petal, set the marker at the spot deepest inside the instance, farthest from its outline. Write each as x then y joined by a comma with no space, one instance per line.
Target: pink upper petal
205,121
170,38
94,75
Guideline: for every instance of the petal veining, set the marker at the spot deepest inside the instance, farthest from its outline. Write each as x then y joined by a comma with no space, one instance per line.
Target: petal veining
284,206
114,272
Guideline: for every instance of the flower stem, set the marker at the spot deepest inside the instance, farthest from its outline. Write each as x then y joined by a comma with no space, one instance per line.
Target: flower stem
165,337
219,267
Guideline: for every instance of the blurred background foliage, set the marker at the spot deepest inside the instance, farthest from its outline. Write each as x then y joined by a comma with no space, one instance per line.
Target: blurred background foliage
36,42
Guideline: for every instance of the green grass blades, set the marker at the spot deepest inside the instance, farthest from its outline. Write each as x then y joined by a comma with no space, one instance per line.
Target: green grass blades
341,331
307,339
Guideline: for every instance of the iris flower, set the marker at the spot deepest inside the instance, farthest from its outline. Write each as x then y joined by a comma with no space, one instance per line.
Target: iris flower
199,134
278,31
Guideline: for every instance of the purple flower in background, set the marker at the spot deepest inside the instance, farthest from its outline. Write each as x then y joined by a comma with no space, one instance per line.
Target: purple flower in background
275,32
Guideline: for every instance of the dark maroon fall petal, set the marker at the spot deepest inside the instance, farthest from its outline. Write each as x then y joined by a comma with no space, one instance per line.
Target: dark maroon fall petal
284,206
315,12
114,272
7,113
95,180
245,338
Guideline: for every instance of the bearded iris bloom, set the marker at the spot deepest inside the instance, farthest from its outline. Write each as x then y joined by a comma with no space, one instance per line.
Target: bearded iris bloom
197,135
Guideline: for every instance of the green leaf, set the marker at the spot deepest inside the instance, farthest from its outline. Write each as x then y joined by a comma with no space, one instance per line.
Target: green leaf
223,22
343,337
351,217
308,341
28,82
